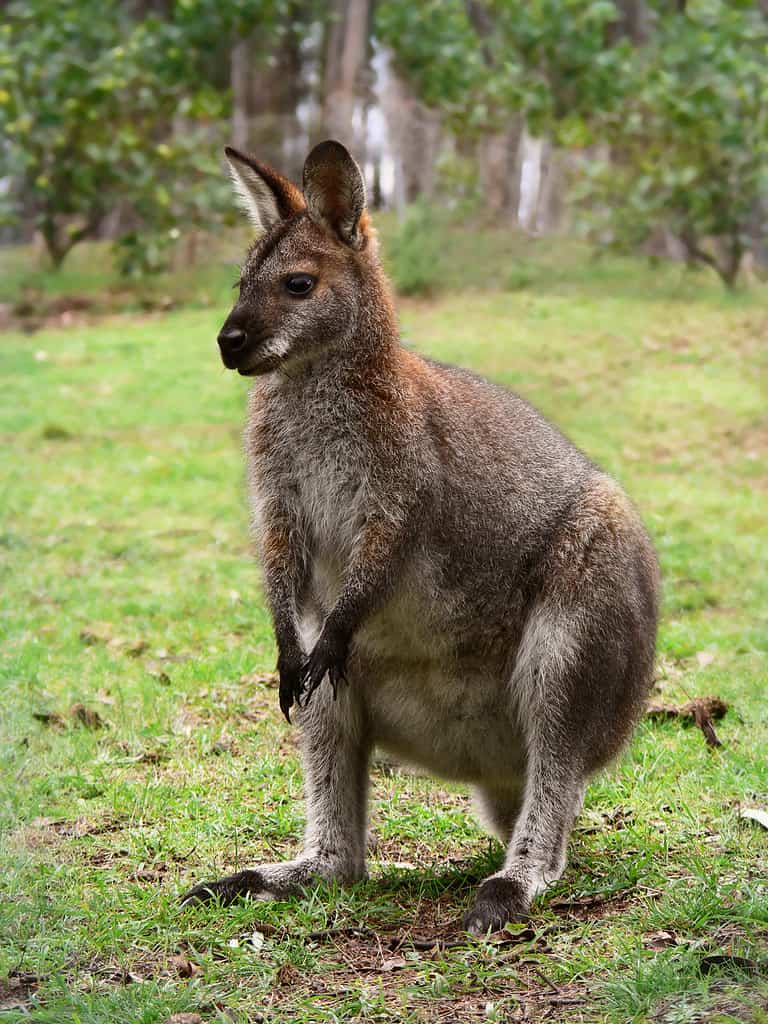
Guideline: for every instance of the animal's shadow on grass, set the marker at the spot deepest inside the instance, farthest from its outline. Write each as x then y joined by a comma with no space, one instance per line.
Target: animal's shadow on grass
459,879
393,897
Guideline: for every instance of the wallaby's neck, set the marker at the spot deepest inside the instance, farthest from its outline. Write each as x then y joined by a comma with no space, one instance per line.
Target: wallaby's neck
376,335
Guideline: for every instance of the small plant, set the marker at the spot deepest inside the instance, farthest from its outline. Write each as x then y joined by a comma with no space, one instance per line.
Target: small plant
415,252
520,276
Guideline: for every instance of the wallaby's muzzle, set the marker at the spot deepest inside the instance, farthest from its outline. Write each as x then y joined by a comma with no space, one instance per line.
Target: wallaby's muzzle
232,342
239,344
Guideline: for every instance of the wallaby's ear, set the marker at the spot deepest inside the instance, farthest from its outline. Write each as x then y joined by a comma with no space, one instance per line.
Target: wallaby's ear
266,196
334,191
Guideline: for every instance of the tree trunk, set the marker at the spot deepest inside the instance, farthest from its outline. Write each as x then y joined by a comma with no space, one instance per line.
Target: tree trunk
726,263
267,90
550,207
414,132
530,179
634,20
346,59
60,239
500,171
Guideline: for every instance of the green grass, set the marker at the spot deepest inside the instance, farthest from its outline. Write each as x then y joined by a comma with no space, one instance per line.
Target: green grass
126,584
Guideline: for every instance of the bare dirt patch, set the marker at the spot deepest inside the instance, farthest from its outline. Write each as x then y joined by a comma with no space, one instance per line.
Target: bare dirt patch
408,976
17,990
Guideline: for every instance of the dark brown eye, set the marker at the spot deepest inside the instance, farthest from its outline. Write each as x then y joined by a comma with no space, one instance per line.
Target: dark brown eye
299,284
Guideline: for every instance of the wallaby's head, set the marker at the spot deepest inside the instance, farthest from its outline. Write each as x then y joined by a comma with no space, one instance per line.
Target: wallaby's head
300,288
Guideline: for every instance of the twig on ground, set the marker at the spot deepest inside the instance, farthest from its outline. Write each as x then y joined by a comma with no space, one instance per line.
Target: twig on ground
701,710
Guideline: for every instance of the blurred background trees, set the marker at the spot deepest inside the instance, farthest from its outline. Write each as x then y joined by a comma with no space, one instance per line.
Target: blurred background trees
638,123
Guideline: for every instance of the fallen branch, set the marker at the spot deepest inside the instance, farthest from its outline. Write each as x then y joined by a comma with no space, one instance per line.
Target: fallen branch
701,710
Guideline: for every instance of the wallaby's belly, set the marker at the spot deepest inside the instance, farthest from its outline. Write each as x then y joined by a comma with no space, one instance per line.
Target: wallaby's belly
455,724
428,702
428,698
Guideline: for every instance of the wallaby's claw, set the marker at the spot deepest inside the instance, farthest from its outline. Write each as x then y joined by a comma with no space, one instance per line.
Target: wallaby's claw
324,660
291,684
286,700
336,676
314,672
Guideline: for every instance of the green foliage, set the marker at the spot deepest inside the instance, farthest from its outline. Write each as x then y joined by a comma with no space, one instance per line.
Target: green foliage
416,251
690,141
683,116
520,275
103,115
546,59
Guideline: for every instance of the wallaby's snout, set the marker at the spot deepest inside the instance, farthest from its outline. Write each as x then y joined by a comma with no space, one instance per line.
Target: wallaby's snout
240,341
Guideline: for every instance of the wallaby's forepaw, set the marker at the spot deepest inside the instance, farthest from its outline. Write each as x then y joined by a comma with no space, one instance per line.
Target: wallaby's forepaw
498,901
227,890
328,657
291,684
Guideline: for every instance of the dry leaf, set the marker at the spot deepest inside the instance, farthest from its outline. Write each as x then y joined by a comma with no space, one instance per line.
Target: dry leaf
148,874
225,745
184,967
287,976
393,963
271,679
156,670
704,658
702,710
86,716
185,1018
153,757
52,718
754,814
94,635
137,648
660,940
703,719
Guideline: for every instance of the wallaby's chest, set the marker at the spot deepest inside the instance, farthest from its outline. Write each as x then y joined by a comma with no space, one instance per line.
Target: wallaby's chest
316,465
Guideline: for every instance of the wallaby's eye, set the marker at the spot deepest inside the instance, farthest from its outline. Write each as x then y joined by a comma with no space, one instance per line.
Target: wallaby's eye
300,284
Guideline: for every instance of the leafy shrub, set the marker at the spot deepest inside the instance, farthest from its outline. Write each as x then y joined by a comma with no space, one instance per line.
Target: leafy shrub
519,277
415,252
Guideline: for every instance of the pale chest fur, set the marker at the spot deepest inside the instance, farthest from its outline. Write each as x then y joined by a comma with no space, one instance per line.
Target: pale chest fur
310,458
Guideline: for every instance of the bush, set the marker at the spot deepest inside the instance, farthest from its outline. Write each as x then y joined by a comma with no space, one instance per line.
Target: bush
519,277
416,252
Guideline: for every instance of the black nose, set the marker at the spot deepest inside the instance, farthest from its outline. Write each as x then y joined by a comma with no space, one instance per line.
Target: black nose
231,339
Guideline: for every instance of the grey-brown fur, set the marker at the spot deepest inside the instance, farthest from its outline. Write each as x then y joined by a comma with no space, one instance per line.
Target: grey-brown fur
480,597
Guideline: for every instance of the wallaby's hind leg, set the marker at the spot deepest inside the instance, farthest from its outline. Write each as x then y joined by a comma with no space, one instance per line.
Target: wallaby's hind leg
536,852
499,810
335,753
578,690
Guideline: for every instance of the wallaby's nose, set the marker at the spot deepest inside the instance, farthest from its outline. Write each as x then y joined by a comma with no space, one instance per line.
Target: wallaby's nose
231,339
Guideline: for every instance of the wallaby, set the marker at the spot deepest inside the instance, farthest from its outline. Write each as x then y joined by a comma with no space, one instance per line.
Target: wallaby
480,596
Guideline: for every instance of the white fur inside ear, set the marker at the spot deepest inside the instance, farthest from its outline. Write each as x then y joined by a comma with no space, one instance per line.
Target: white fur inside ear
255,195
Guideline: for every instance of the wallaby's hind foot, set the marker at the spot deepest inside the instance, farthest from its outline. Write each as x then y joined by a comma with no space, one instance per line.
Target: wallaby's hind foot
272,881
499,901
227,890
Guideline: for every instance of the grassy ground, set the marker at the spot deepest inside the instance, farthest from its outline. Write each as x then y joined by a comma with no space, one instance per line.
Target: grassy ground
140,744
